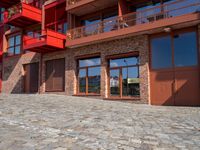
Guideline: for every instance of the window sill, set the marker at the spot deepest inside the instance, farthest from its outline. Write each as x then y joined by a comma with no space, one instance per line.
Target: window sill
123,98
54,91
85,95
13,56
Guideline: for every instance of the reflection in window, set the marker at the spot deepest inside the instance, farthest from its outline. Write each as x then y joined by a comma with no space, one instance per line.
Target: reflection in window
89,62
82,80
62,27
102,22
89,76
124,77
130,81
114,82
161,52
94,80
14,45
185,49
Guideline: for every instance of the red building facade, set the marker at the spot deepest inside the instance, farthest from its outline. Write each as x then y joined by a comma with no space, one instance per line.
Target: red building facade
144,51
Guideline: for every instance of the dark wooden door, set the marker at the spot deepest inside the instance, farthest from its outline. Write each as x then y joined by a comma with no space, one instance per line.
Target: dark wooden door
55,75
31,78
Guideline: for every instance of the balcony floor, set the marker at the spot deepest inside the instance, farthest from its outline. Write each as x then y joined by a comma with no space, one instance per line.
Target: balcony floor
21,21
42,48
88,6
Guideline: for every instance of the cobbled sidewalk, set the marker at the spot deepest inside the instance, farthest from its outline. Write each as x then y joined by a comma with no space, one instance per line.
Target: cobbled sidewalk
58,122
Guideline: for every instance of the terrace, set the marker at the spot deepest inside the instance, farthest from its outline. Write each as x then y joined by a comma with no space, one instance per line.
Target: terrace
47,41
168,14
22,15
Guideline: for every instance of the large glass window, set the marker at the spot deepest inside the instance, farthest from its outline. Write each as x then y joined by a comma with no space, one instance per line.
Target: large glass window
161,52
101,22
89,76
124,77
62,27
185,49
178,50
14,45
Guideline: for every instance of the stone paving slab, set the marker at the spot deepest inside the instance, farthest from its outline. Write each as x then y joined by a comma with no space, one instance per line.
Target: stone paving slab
57,122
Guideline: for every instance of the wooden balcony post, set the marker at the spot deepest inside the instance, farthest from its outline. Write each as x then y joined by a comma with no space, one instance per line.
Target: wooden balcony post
122,7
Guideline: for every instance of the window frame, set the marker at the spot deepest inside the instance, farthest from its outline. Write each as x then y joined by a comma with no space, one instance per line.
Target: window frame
120,68
14,44
171,34
86,93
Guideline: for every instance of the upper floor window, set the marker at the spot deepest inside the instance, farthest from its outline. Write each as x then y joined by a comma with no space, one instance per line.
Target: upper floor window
62,27
56,18
100,22
97,18
1,14
14,45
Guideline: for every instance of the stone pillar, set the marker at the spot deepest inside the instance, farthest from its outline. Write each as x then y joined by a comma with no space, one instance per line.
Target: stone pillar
104,76
144,71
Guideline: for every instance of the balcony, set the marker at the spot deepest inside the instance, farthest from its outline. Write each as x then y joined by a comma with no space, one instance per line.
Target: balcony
8,3
173,14
82,7
49,41
22,15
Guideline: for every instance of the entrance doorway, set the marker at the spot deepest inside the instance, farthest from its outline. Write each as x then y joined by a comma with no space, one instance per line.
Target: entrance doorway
55,75
175,69
31,78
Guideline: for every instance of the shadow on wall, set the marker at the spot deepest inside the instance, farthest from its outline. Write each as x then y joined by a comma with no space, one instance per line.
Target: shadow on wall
18,87
183,92
13,74
184,97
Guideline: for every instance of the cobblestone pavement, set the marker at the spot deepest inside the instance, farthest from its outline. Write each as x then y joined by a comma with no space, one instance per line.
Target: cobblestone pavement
56,122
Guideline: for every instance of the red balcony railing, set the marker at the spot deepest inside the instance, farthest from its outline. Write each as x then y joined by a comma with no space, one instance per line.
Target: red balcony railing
22,14
169,10
47,41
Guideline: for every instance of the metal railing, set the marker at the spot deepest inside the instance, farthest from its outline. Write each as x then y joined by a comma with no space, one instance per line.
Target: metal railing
168,10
